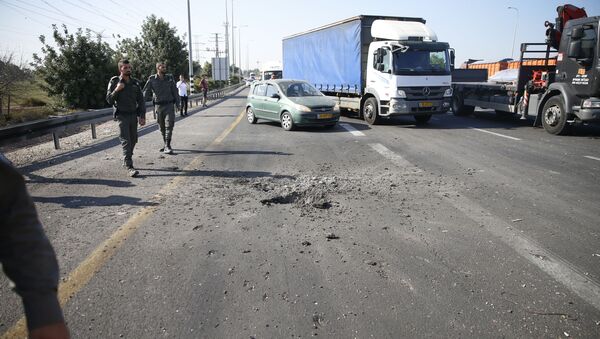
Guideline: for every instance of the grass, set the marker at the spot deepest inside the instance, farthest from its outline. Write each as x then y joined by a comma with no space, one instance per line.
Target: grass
29,102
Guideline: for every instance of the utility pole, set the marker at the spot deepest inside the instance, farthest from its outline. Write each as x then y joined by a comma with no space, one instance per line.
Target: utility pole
512,54
226,31
232,38
191,65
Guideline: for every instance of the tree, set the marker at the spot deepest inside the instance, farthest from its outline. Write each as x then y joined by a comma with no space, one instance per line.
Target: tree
10,76
207,69
78,70
197,68
158,42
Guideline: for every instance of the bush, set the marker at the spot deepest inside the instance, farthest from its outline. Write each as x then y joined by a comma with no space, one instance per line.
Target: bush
33,102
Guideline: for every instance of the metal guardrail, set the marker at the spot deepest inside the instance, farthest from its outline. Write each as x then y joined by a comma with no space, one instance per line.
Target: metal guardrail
58,124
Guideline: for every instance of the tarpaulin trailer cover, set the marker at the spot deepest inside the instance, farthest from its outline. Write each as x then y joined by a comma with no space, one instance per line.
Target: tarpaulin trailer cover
326,58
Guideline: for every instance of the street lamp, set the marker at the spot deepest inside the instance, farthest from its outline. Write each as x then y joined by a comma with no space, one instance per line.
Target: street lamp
240,48
512,55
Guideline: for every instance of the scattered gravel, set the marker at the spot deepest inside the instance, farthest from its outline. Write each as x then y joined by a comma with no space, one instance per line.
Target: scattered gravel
42,148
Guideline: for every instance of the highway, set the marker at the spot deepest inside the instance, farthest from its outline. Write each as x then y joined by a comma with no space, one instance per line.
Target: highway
479,226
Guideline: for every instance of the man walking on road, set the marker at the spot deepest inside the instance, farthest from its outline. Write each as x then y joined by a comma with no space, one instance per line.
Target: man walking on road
183,95
27,257
204,87
125,94
161,88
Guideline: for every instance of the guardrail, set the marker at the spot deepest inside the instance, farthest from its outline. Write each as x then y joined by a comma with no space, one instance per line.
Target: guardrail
58,124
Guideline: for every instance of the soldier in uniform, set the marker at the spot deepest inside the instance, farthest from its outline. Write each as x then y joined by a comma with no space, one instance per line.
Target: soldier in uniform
125,94
27,257
161,88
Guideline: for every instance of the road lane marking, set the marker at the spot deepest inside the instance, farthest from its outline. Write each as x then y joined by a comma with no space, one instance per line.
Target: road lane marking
395,158
352,130
591,157
555,266
494,133
84,272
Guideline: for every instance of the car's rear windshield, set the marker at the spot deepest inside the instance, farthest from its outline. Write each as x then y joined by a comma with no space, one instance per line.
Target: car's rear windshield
298,89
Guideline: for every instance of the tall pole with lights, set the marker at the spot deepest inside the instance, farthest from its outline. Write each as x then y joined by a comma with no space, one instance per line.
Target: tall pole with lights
512,55
191,65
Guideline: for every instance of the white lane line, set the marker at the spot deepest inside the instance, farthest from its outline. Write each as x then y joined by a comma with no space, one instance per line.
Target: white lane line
395,158
352,130
555,266
494,133
591,157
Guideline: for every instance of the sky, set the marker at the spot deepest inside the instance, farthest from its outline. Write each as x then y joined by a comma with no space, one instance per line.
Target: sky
477,29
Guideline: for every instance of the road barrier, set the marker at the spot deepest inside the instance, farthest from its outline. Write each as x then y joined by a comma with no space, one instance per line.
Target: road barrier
58,124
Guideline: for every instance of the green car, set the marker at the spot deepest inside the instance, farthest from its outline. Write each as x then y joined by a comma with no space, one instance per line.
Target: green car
291,102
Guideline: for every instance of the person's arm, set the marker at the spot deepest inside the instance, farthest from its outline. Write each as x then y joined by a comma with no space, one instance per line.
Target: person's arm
147,91
141,105
110,95
26,254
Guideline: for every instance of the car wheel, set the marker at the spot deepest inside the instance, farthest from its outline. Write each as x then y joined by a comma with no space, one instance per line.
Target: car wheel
422,119
286,121
370,111
554,117
250,115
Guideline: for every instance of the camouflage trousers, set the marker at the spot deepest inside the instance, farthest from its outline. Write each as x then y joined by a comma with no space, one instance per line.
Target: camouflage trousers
128,136
165,114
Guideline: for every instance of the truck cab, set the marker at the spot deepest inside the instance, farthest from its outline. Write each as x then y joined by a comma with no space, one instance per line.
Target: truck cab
577,79
408,71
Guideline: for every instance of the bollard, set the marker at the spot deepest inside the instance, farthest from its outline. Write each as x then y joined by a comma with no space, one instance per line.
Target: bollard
93,126
56,141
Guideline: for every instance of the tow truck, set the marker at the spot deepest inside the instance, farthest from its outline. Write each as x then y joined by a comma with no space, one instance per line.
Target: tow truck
560,91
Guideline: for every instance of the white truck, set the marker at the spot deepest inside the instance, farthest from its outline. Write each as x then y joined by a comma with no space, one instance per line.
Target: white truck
378,66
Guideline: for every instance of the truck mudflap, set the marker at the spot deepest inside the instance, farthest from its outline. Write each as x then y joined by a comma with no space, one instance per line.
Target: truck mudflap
410,107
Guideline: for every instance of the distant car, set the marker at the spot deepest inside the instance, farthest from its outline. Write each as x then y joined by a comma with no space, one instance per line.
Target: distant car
292,103
250,80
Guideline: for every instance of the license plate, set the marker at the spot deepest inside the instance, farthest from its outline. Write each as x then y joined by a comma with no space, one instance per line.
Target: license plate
426,104
325,116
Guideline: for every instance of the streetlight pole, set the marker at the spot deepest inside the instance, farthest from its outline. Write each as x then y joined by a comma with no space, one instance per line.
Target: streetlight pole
191,65
240,47
232,39
512,55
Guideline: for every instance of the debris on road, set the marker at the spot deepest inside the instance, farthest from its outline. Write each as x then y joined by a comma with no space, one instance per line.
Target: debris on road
331,236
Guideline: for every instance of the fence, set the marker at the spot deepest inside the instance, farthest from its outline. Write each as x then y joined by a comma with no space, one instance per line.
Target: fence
58,124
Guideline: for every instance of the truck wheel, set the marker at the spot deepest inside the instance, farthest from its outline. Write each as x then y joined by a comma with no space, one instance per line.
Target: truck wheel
422,119
250,115
287,122
458,106
370,111
554,117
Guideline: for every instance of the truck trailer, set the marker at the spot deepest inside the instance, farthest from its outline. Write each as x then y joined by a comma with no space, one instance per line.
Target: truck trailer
378,66
562,90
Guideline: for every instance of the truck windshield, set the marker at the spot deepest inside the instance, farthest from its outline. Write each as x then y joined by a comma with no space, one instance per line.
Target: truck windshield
272,75
415,61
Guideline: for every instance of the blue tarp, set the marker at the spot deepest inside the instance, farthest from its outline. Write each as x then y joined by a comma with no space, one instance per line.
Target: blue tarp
328,57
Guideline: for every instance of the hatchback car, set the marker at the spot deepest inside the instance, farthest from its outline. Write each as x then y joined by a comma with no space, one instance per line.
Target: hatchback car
292,103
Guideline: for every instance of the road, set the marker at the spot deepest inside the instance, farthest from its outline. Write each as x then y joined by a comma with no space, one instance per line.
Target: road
468,227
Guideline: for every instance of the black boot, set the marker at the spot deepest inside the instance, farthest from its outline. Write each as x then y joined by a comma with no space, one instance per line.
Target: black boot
168,149
163,148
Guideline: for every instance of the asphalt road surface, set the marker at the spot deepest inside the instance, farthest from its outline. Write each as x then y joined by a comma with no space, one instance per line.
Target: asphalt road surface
476,226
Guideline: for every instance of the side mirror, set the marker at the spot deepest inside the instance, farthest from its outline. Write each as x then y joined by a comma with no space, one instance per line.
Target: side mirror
452,58
276,96
380,67
577,33
574,51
